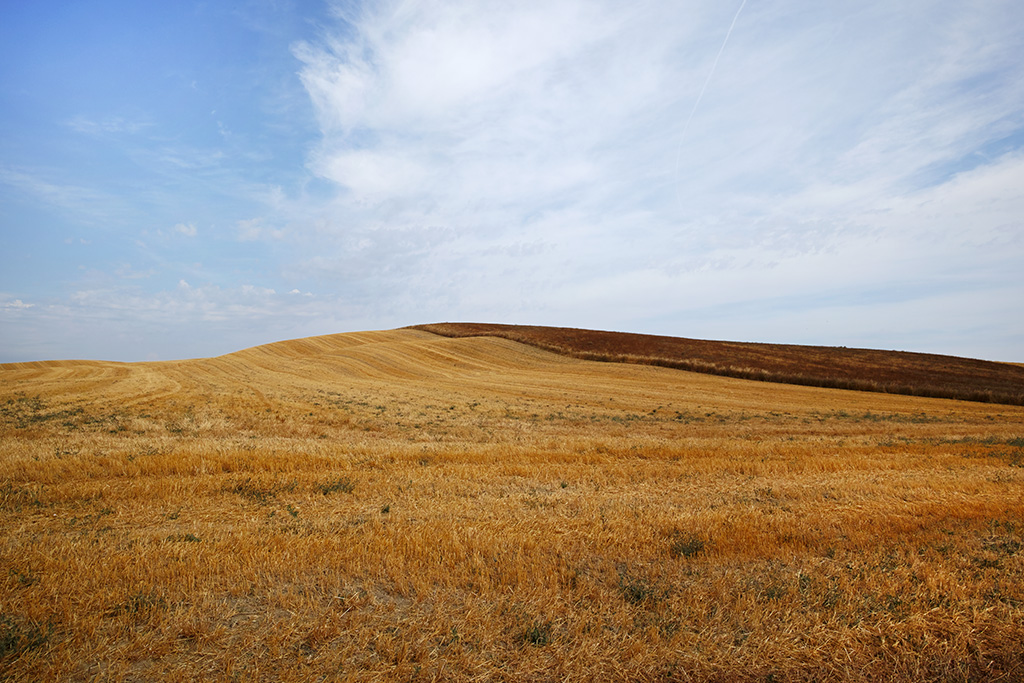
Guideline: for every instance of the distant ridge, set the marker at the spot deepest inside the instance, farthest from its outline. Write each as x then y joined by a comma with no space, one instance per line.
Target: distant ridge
893,372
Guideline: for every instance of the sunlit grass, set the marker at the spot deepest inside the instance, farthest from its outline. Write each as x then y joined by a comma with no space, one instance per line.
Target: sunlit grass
395,506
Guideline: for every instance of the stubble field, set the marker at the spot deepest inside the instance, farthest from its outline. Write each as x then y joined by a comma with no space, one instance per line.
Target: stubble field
400,506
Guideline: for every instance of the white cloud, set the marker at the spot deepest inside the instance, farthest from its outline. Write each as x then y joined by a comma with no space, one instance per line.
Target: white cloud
457,106
187,229
373,175
454,103
837,150
15,304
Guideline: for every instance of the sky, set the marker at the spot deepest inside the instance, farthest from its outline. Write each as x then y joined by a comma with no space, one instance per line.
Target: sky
188,179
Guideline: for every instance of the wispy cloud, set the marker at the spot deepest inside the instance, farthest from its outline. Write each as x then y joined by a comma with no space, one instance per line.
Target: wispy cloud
451,110
107,125
254,229
122,321
435,106
76,198
126,272
794,171
543,146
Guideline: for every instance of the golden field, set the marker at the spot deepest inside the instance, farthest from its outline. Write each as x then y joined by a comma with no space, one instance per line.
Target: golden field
400,506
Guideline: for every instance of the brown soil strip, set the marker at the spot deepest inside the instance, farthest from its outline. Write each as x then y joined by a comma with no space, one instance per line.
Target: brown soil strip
894,372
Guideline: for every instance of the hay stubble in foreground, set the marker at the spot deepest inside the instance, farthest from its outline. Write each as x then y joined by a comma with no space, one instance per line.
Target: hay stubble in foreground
399,506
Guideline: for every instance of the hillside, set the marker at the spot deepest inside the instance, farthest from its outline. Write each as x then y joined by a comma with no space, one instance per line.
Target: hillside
402,506
895,372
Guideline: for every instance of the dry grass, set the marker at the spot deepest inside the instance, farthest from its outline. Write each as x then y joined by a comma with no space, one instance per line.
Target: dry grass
891,372
401,506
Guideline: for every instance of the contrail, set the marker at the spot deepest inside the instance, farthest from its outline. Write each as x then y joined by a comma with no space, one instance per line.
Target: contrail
700,96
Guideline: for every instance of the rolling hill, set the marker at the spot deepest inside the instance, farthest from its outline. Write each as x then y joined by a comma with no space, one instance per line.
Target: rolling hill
400,505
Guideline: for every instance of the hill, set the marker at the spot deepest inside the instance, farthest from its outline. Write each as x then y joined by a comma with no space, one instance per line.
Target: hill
895,372
398,506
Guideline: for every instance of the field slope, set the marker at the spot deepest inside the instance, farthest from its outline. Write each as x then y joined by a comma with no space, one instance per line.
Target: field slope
400,506
896,372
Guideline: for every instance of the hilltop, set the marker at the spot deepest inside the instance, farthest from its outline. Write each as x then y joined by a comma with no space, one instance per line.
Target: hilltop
893,372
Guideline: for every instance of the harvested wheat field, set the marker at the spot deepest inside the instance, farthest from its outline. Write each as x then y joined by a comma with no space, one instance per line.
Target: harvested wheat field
401,506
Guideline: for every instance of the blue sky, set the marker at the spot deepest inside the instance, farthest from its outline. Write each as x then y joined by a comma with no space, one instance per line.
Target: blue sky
188,179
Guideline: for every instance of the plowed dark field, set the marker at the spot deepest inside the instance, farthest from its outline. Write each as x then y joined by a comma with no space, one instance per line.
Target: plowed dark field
894,372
